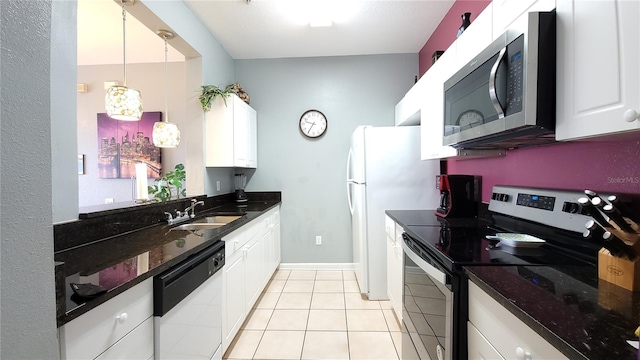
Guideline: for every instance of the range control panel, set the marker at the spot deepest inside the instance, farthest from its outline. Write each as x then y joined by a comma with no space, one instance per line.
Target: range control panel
557,208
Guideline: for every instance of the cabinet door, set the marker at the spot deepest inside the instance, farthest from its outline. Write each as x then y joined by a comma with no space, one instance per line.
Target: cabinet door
479,347
254,270
240,133
505,12
252,146
138,344
432,123
504,331
233,313
598,72
475,38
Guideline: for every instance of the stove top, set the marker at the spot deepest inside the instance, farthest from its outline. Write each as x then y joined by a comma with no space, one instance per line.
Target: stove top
539,212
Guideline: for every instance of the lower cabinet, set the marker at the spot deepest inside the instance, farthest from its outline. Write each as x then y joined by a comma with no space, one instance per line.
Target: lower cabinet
493,330
121,328
394,266
252,255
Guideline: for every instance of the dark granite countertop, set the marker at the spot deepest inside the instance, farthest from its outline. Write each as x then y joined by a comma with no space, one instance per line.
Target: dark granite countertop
117,263
583,317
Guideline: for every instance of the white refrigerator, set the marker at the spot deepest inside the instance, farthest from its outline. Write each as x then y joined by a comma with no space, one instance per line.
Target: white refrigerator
384,172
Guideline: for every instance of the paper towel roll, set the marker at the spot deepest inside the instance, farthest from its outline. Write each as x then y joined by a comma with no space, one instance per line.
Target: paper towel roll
141,181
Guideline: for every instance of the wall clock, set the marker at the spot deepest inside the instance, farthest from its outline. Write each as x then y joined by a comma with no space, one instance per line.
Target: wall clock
313,124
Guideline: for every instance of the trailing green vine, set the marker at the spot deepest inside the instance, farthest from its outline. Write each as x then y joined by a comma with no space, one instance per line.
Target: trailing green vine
162,190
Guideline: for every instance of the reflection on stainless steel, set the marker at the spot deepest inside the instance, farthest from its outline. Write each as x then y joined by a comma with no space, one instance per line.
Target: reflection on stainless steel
425,310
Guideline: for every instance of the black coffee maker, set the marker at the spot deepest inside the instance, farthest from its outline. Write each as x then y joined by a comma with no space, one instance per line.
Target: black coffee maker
459,195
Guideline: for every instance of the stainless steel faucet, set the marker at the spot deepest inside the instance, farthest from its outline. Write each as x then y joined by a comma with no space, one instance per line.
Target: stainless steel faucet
192,208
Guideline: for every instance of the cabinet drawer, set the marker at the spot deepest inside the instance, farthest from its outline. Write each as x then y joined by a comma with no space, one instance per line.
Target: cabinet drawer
94,332
504,330
138,344
479,347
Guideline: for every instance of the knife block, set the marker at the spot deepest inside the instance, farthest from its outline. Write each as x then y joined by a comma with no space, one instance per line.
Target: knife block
622,272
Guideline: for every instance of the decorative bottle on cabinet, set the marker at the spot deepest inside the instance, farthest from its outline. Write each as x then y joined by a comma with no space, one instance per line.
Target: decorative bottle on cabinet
466,21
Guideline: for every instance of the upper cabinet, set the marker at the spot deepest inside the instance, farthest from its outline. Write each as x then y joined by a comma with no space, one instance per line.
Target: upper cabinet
505,12
598,72
408,109
231,134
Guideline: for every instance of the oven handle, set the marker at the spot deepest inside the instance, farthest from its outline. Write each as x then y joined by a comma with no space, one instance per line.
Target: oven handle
431,270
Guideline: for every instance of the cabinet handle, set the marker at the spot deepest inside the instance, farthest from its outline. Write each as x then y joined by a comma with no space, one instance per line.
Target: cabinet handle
122,318
630,115
522,355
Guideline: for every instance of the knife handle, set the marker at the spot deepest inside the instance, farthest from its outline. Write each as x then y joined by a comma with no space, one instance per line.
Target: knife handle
616,217
592,211
619,245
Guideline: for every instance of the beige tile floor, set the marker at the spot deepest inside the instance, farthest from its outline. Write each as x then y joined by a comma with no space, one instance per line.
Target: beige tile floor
317,315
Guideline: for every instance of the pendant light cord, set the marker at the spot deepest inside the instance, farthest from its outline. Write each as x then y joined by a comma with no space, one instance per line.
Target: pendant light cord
166,81
124,41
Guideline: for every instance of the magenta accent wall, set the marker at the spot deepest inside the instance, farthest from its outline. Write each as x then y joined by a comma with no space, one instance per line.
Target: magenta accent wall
445,33
607,167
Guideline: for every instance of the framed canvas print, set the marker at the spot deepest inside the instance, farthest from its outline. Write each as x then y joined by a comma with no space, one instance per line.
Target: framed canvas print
122,144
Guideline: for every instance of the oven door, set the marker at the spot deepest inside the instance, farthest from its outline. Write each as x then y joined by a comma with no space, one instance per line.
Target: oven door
427,309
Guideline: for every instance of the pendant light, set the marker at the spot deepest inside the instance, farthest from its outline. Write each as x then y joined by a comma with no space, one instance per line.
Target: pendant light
166,134
121,102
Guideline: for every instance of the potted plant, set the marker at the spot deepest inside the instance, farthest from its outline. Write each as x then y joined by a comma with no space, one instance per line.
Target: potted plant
162,191
209,93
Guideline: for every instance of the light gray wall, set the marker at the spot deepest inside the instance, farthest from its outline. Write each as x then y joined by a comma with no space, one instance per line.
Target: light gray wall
350,91
27,296
63,103
149,80
217,69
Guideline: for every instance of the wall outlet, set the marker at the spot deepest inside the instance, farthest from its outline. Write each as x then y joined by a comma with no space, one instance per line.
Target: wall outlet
318,240
108,201
218,185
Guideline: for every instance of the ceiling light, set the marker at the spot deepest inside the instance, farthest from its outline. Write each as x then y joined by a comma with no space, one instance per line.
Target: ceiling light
166,134
121,102
319,12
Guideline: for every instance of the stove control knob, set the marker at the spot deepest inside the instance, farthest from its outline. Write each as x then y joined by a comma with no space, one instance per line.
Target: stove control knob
504,197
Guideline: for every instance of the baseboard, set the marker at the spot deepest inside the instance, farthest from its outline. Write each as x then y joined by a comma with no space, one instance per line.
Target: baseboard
316,266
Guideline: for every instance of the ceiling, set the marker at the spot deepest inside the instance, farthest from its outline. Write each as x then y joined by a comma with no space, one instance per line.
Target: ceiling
261,29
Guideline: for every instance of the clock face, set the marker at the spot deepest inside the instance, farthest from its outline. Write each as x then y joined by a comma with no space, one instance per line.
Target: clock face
470,118
313,123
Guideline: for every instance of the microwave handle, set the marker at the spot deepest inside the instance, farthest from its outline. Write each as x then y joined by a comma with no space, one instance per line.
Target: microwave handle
493,91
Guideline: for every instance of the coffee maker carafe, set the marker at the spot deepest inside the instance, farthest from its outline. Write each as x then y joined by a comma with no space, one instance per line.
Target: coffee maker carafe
459,195
240,181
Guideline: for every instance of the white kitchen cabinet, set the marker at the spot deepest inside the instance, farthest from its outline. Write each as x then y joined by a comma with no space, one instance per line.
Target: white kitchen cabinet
475,38
255,270
506,12
249,264
479,347
394,265
407,111
231,134
233,305
136,345
504,331
113,326
432,124
598,75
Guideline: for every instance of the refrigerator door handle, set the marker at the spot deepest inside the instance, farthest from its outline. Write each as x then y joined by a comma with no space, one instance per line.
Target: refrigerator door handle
349,183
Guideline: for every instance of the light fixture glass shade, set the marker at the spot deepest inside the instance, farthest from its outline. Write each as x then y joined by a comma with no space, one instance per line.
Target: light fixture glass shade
166,135
123,103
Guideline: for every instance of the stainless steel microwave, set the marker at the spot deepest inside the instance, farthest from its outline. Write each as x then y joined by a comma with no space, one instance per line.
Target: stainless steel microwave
505,97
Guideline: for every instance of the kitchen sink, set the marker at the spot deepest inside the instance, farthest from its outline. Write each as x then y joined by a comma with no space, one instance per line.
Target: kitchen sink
207,223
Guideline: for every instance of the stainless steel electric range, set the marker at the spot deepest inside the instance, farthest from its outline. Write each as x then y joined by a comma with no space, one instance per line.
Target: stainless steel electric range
435,308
